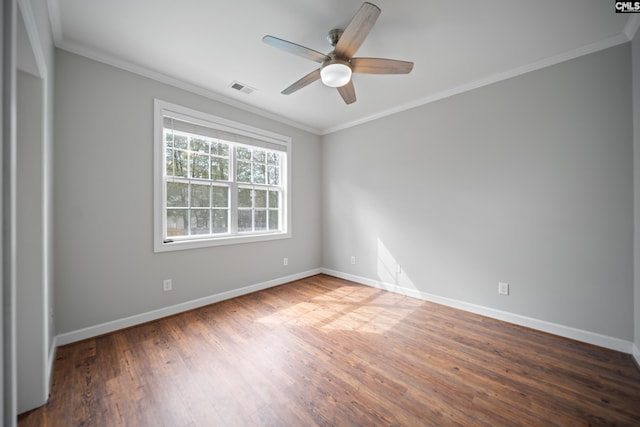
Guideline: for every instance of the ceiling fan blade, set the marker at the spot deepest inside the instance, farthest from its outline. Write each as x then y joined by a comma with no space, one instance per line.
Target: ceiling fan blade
357,30
295,49
348,92
380,66
306,80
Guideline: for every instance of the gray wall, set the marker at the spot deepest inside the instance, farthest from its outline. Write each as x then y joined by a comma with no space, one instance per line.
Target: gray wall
105,265
527,181
636,168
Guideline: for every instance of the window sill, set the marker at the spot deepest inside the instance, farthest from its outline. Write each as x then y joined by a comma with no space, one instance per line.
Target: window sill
179,245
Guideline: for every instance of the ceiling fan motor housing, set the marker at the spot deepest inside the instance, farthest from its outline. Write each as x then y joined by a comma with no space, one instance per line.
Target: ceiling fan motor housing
334,36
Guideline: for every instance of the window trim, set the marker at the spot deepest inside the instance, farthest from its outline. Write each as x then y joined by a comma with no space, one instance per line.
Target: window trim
159,203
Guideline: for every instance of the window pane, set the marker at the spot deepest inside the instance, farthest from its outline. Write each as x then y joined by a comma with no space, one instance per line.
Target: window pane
177,194
180,141
273,158
244,198
243,153
261,220
220,149
199,166
244,220
220,221
176,163
244,171
274,175
220,197
260,198
258,173
259,156
177,220
274,199
200,196
200,221
168,139
200,145
273,219
219,169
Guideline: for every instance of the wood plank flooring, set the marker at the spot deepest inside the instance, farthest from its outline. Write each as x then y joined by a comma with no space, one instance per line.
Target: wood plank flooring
324,351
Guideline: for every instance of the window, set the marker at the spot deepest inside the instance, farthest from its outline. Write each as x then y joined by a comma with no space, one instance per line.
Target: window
217,181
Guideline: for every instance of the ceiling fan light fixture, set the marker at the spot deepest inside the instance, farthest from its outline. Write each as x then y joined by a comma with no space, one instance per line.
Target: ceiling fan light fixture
335,73
338,65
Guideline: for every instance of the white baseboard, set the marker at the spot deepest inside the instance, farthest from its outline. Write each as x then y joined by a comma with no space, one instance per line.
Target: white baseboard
104,328
541,325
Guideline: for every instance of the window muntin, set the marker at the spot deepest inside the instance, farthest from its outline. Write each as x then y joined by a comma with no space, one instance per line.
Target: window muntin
218,184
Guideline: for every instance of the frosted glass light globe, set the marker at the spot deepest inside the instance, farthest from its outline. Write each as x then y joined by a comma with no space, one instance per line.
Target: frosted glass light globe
335,74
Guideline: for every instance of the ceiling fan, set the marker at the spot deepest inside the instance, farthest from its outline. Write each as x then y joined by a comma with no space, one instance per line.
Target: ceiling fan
338,65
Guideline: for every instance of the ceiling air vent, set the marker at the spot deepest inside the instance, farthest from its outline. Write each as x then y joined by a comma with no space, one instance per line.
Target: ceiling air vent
242,87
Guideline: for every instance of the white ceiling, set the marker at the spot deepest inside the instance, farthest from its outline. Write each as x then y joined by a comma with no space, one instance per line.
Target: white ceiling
205,45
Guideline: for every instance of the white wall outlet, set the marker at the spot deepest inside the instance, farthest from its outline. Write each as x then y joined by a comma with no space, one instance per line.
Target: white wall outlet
285,261
167,285
503,288
398,268
353,259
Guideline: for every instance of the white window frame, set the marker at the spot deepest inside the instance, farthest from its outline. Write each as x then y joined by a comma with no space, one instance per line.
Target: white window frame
164,244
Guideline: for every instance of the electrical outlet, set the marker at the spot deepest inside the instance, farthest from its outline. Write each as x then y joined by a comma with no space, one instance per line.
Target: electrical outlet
167,285
353,259
503,288
285,261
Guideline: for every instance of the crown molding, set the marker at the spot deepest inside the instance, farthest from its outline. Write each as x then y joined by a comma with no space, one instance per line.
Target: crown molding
494,78
180,84
60,43
628,33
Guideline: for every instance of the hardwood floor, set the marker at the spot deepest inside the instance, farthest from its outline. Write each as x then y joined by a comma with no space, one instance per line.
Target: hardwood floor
324,351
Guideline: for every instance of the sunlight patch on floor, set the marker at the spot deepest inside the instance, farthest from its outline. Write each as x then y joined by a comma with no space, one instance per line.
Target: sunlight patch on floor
376,311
